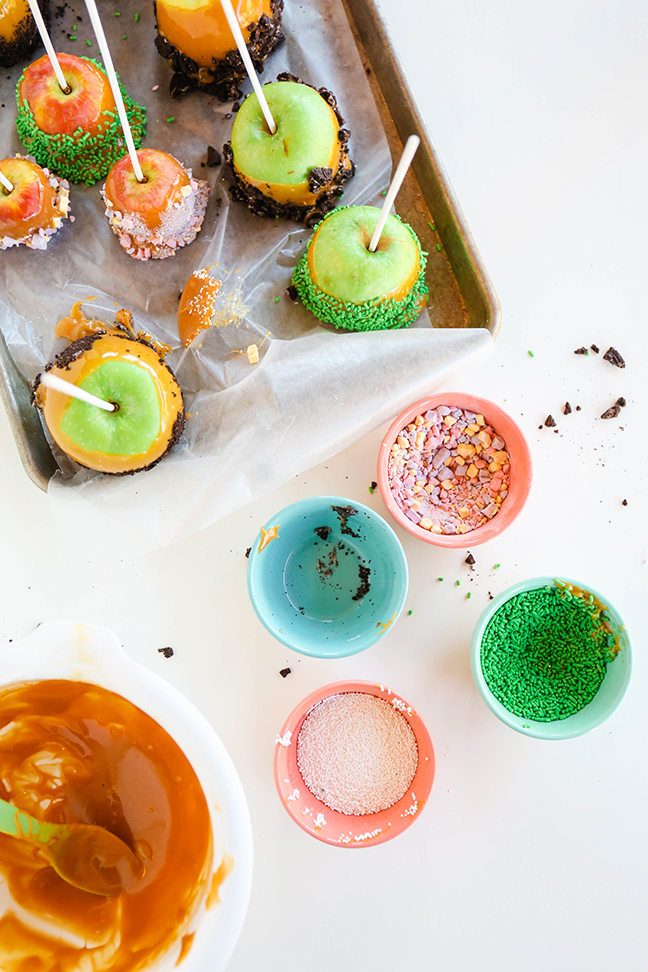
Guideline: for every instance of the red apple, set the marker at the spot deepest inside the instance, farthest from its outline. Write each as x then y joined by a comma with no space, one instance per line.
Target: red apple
30,205
57,112
166,182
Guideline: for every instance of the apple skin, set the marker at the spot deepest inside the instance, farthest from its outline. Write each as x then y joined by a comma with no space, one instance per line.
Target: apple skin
56,112
165,180
199,29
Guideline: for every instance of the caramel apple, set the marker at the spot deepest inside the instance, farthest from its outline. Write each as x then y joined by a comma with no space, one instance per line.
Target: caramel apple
298,171
193,35
153,218
18,31
119,366
35,208
75,132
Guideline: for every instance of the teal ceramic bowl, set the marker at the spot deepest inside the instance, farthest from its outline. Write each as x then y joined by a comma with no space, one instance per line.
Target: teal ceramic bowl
605,701
327,576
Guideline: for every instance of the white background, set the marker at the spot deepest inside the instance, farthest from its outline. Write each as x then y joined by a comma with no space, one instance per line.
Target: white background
529,855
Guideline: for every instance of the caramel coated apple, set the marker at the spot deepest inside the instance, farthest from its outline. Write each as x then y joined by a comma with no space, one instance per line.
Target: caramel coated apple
35,208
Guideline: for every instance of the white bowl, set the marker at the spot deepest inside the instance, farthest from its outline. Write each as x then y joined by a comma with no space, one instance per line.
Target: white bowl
87,653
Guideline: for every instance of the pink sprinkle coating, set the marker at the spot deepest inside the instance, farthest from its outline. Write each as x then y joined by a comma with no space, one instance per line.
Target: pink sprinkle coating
356,753
449,470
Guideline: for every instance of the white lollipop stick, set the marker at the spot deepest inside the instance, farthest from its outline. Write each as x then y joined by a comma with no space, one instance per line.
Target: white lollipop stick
42,30
67,388
5,182
409,151
114,84
234,26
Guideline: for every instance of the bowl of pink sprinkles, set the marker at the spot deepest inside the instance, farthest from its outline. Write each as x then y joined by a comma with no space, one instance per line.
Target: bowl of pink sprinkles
354,764
454,469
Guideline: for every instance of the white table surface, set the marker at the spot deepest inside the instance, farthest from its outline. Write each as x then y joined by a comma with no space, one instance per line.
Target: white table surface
529,855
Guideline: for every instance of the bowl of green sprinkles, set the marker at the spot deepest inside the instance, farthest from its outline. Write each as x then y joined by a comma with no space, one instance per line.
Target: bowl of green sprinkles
551,658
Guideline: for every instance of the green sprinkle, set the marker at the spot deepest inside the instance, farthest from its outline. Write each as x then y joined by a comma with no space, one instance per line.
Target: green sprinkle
384,192
136,17
544,655
123,36
495,566
468,596
71,37
118,15
89,43
371,489
531,354
171,119
432,226
438,246
277,299
408,613
439,578
74,26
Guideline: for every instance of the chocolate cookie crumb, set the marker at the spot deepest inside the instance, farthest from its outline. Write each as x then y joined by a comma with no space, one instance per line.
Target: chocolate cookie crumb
247,552
581,351
621,401
344,512
613,356
364,582
550,422
567,409
578,408
323,532
167,652
470,560
285,672
612,411
594,348
213,156
624,502
490,596
292,292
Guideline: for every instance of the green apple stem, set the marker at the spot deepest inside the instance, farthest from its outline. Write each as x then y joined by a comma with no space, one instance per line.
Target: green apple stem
5,183
67,388
42,30
114,85
235,27
409,151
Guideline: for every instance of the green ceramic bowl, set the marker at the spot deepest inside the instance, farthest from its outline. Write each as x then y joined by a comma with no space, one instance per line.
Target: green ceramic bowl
591,715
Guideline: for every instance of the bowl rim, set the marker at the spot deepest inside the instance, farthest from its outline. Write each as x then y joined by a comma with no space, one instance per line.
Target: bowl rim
528,727
520,481
87,652
391,821
351,648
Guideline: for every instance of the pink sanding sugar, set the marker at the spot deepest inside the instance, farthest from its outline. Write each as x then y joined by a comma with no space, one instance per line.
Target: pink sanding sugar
356,753
449,470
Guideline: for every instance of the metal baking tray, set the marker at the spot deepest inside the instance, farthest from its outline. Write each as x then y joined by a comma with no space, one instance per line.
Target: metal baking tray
461,294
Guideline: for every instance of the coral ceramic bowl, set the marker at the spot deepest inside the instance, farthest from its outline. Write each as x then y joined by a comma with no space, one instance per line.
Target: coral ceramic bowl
340,829
520,473
608,697
327,576
87,653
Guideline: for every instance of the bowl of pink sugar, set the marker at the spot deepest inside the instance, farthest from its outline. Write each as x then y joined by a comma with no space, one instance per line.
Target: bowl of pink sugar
354,764
454,469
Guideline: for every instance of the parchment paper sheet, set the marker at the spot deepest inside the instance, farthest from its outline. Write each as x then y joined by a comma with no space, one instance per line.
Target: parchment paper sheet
250,427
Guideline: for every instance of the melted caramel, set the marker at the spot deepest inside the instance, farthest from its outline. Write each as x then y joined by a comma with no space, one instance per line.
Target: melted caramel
12,14
196,305
200,30
75,753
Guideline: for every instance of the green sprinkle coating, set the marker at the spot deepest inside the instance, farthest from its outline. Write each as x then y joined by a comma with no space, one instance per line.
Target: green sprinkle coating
545,652
81,157
371,315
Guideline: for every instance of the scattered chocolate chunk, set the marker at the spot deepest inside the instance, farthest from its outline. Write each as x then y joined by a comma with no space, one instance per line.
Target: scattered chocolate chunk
541,427
364,582
470,560
167,652
621,401
292,292
344,512
323,532
490,596
319,178
624,502
247,552
213,156
285,672
236,106
594,348
581,351
567,409
373,487
550,422
613,356
578,408
612,411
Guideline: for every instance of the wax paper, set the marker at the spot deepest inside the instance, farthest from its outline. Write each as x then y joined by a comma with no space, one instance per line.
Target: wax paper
250,427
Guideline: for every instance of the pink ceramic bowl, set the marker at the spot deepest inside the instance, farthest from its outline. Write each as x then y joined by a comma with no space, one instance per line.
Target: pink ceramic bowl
520,475
341,829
